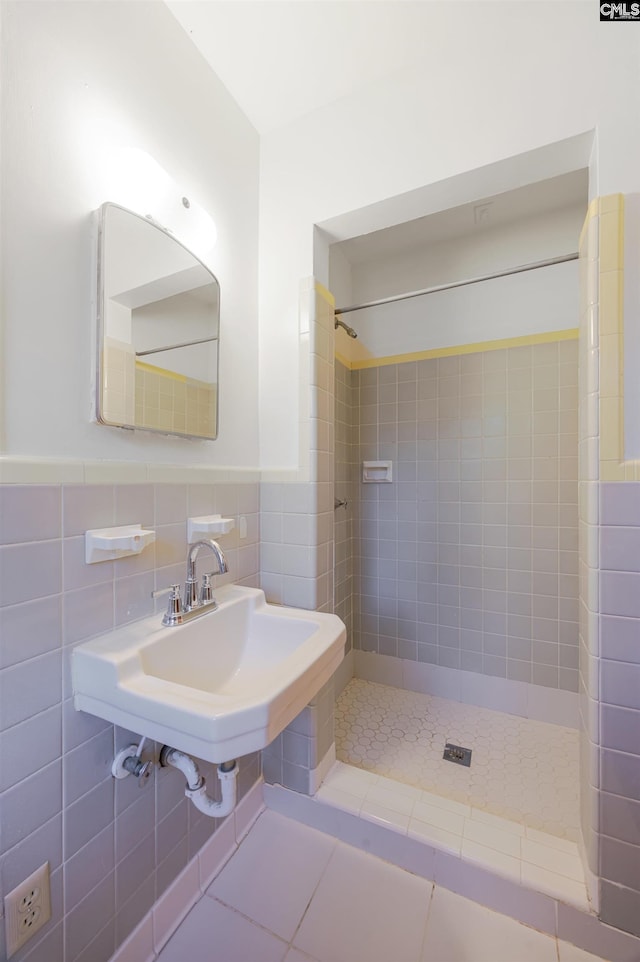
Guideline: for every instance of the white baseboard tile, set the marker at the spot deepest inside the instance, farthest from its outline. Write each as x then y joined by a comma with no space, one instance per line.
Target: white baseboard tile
247,811
216,852
553,705
485,691
431,679
164,917
499,894
592,935
317,775
383,669
138,947
391,846
344,672
172,906
499,694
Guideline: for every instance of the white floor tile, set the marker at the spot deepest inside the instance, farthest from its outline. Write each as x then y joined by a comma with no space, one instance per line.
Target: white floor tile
211,932
492,837
389,798
440,817
340,799
274,873
522,770
439,837
552,841
495,821
439,801
462,931
365,910
558,886
384,816
348,778
505,865
562,863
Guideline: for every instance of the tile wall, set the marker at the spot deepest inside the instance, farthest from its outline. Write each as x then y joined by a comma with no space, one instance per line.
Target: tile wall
619,843
589,470
165,401
297,539
152,397
468,560
346,489
118,378
296,508
609,572
113,847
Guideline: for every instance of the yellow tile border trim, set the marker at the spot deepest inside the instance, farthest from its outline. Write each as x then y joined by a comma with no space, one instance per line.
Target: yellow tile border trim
161,371
547,337
325,294
613,466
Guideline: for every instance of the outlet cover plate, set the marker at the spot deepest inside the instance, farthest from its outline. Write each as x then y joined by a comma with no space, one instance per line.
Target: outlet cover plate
27,908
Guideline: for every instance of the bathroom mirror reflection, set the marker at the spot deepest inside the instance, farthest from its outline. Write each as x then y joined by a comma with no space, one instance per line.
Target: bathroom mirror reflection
158,330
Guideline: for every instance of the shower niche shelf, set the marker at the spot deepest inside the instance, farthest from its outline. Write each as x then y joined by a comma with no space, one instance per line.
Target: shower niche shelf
377,472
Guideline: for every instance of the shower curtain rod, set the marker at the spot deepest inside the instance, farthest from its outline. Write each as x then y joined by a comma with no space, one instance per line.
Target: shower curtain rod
448,287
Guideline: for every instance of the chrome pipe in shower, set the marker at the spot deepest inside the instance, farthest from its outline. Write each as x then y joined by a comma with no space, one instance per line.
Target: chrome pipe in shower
340,323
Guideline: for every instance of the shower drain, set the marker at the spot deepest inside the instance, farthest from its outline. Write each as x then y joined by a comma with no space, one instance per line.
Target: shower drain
454,753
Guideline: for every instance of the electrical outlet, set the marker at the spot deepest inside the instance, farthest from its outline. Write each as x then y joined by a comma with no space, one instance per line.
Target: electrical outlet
27,908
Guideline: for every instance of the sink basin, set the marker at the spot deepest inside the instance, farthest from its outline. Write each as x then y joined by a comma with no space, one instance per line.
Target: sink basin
217,687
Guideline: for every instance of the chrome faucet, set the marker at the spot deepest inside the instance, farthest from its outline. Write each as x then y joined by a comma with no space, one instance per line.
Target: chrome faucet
197,599
192,598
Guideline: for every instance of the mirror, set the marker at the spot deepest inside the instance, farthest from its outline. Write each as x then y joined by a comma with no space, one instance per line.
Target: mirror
158,329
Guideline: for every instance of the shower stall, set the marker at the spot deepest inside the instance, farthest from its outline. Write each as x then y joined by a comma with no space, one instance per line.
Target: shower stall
483,730
457,577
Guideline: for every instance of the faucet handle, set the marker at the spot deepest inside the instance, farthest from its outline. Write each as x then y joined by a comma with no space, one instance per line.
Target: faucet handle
173,614
206,588
159,592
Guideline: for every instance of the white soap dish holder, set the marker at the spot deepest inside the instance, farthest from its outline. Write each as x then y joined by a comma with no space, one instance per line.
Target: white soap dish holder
108,544
208,526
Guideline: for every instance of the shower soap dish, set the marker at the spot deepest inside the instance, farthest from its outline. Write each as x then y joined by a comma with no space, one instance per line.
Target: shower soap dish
207,526
377,472
107,544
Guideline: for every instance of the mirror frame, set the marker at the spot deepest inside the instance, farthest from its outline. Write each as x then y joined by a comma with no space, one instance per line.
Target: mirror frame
100,328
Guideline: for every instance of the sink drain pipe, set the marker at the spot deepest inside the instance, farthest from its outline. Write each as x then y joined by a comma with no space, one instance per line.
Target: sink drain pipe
196,788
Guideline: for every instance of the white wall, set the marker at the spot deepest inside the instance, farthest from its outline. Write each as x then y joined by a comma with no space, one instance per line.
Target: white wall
528,303
497,80
80,81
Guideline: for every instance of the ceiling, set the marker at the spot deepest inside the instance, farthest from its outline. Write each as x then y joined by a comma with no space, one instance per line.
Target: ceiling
281,59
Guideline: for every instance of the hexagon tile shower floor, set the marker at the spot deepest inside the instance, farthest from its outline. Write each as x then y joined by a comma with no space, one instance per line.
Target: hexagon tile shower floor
521,769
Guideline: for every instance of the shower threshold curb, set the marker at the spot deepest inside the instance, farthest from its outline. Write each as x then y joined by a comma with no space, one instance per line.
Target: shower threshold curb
482,883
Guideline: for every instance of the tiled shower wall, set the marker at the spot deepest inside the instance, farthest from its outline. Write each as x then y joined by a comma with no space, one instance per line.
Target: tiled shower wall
468,559
113,846
346,490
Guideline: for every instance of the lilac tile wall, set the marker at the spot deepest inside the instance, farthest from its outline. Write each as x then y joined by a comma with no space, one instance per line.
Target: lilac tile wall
469,558
113,847
619,808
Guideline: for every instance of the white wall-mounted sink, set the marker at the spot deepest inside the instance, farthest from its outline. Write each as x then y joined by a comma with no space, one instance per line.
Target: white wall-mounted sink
217,687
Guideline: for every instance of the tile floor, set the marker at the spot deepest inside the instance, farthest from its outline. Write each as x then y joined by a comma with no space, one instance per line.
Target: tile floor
525,855
293,894
521,770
